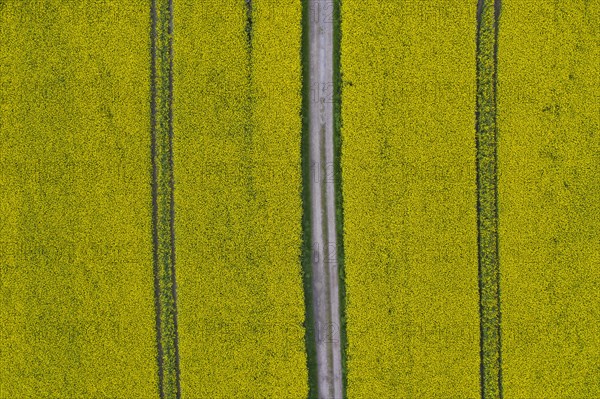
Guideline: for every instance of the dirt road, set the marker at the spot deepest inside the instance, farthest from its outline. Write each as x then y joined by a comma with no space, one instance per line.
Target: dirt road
325,282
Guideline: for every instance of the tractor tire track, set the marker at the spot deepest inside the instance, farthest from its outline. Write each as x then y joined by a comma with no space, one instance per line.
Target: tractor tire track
163,207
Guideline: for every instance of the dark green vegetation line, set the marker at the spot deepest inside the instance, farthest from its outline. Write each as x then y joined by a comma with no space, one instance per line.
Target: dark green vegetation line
163,212
249,22
488,13
306,252
246,159
339,203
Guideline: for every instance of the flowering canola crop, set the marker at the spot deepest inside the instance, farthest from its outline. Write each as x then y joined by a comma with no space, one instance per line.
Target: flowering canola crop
409,195
237,195
548,121
76,287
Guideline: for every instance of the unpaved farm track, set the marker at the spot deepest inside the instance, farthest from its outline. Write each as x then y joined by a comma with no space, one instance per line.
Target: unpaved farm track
325,282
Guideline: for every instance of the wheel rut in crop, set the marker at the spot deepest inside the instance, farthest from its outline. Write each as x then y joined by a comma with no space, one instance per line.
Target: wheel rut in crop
488,15
163,210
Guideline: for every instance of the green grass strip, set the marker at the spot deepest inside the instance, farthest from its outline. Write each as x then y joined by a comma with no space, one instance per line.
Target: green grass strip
162,198
487,199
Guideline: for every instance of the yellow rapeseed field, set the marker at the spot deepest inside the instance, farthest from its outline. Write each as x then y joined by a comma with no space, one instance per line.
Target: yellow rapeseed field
549,195
237,194
408,169
76,288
